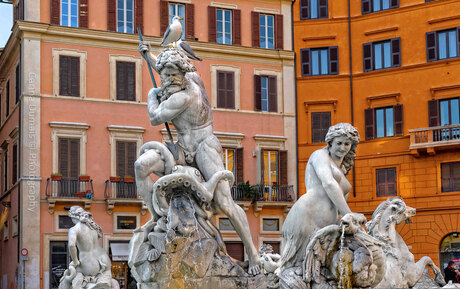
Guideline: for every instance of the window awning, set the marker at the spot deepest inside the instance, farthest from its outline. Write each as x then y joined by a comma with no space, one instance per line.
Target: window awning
120,251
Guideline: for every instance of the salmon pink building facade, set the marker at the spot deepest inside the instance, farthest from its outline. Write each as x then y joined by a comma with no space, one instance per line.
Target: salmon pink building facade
74,115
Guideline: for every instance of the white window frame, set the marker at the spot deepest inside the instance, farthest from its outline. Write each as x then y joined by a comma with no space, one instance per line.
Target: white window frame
223,20
279,86
267,142
56,221
113,75
218,217
225,161
237,75
266,31
125,21
120,214
69,14
56,52
171,16
68,130
280,222
123,133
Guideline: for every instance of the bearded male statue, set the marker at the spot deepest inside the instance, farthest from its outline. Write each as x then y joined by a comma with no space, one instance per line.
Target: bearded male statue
184,103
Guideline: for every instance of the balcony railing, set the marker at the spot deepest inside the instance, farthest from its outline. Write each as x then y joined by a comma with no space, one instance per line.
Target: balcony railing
66,188
274,193
238,195
432,137
120,190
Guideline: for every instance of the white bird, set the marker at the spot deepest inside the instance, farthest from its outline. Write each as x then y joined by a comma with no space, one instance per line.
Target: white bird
187,50
173,33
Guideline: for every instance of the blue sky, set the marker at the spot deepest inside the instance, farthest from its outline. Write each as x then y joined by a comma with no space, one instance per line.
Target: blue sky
6,21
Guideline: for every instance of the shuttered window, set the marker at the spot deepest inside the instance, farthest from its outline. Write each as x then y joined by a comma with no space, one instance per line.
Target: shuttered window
267,30
69,13
450,177
7,99
313,9
59,262
319,61
125,16
265,93
18,82
69,158
224,26
386,182
383,122
233,161
18,13
444,112
69,75
126,80
177,10
226,89
72,13
15,164
369,6
126,156
320,123
443,44
235,250
382,54
239,175
228,157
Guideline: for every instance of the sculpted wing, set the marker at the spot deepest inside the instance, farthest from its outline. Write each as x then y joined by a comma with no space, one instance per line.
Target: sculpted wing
317,251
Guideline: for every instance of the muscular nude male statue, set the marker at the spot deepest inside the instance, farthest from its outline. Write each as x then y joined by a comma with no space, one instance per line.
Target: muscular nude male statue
184,102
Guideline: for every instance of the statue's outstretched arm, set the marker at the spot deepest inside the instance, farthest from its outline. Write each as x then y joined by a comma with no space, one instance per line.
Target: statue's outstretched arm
168,109
322,165
73,247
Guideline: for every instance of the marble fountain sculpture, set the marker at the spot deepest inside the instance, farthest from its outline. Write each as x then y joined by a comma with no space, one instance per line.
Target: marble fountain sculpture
180,247
91,267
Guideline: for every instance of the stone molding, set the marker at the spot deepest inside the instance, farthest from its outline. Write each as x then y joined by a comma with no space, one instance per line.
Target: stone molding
237,76
279,85
123,133
56,52
113,58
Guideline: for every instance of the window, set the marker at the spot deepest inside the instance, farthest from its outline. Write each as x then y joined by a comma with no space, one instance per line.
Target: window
69,13
59,261
14,226
450,177
386,182
235,250
313,9
18,82
444,112
225,224
226,89
6,231
7,99
383,122
319,61
320,123
368,6
65,222
69,75
271,225
382,54
5,170
229,159
267,31
177,10
265,93
126,80
442,44
15,164
126,222
224,26
126,156
270,165
69,158
125,16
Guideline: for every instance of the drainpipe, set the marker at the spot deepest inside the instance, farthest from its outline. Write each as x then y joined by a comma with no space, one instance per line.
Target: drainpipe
295,97
351,87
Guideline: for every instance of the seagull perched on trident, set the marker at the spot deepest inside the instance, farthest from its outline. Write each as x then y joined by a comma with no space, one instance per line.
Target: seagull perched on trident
173,33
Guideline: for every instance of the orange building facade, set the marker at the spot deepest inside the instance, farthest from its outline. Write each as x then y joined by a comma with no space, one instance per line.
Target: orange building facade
391,68
74,115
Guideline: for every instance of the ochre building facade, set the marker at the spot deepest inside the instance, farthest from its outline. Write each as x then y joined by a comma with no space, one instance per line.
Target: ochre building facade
391,68
73,117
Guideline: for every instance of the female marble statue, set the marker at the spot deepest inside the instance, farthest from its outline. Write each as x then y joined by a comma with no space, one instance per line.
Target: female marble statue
326,195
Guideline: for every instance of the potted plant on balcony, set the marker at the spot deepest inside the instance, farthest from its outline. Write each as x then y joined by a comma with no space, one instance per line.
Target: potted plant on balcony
115,179
56,176
249,191
84,178
128,179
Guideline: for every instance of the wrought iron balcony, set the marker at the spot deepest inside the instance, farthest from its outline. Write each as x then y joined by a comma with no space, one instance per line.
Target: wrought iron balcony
121,192
68,191
274,196
434,138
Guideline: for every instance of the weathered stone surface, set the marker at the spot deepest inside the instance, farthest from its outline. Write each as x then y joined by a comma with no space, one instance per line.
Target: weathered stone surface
199,257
